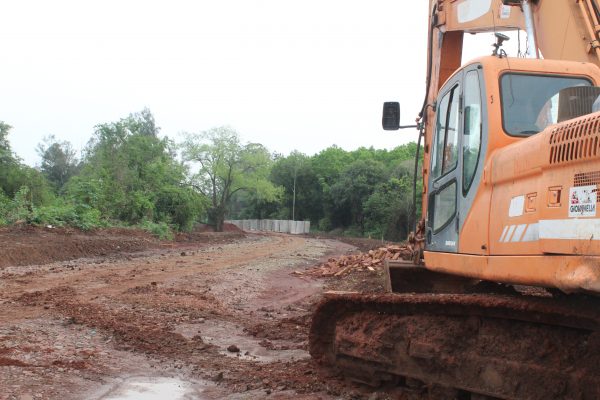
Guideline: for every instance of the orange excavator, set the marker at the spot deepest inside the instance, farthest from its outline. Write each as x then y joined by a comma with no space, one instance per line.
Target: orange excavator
499,298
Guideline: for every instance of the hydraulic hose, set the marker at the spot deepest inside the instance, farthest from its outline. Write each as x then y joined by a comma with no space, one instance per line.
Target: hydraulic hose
423,118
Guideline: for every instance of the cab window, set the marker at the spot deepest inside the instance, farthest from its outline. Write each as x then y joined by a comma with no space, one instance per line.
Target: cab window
445,150
530,102
472,130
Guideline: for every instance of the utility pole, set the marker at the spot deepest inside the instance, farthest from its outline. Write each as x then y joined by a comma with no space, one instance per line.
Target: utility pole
294,191
298,159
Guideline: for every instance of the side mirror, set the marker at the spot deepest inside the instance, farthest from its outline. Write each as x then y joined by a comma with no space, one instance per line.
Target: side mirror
391,116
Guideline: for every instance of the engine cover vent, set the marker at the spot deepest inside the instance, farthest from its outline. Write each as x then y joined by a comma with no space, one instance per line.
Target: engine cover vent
574,141
587,179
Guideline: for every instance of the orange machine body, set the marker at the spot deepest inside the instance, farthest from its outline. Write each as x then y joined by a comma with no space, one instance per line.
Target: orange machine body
529,217
528,222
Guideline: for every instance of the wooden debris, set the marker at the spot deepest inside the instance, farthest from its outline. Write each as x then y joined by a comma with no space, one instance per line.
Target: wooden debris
370,261
373,260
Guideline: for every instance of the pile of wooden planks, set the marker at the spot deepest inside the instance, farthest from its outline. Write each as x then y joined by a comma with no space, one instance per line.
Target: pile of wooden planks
370,261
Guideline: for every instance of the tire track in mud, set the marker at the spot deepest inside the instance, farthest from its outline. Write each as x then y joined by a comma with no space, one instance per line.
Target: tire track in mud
140,305
161,265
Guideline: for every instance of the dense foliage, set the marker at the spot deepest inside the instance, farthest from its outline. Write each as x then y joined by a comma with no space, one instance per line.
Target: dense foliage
365,192
129,175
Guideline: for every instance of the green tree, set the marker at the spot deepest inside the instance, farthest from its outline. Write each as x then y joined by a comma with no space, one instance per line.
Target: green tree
334,186
130,174
14,175
302,198
59,161
8,162
225,167
356,183
247,205
328,165
387,210
5,150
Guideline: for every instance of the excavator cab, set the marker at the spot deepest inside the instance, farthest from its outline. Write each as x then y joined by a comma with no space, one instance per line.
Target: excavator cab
491,187
508,137
522,100
528,100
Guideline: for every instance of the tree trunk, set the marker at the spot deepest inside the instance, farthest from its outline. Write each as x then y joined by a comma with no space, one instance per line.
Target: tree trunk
219,224
217,217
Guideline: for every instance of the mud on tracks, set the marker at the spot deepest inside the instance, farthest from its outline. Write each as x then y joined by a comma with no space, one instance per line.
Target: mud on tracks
504,346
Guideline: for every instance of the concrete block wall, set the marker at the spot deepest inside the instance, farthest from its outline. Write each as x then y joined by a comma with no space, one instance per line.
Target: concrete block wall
273,225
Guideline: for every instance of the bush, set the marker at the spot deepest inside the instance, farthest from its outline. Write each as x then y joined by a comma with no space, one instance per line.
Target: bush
20,209
56,215
160,230
136,207
325,224
89,218
353,231
4,204
59,214
180,206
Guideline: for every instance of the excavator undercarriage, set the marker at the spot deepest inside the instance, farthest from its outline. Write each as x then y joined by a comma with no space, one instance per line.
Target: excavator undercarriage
463,345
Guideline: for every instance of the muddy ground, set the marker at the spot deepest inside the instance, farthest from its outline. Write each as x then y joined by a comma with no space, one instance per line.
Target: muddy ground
210,316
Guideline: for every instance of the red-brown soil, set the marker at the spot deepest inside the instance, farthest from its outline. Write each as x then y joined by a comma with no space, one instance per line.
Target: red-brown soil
29,245
34,245
137,308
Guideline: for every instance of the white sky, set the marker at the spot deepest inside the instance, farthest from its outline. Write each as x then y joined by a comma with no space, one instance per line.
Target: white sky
290,75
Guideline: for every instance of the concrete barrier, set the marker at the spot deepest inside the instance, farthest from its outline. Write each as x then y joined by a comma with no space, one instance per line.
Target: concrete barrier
272,225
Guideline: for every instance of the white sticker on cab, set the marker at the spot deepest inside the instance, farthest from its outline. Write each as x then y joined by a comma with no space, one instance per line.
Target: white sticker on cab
516,206
582,201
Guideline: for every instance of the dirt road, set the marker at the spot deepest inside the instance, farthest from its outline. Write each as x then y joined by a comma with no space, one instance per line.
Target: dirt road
198,320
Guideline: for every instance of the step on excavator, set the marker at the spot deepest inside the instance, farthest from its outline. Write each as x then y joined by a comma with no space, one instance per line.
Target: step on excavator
499,298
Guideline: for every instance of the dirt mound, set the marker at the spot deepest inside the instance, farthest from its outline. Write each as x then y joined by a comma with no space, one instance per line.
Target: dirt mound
35,245
230,228
200,228
208,237
206,234
30,245
227,227
362,244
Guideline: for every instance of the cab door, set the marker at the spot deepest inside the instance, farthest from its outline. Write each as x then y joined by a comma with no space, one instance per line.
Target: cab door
455,159
442,231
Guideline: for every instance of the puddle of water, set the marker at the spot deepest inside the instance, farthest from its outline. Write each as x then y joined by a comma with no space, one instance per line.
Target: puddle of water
154,388
223,334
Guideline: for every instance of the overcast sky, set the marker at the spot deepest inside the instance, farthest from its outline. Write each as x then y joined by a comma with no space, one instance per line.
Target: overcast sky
290,75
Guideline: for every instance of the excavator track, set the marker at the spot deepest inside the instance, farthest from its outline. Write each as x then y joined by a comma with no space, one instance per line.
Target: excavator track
500,346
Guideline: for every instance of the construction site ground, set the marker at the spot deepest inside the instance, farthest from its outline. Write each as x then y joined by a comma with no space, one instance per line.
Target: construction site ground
117,314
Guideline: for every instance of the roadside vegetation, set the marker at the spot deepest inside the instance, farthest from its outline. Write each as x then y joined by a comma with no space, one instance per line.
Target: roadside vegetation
131,175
